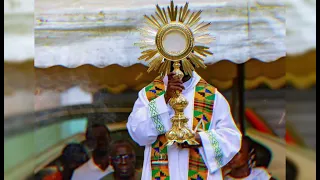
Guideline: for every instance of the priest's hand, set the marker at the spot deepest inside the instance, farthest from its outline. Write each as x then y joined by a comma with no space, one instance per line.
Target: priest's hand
186,145
173,86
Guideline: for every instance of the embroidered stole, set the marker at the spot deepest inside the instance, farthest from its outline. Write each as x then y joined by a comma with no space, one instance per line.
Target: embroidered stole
203,105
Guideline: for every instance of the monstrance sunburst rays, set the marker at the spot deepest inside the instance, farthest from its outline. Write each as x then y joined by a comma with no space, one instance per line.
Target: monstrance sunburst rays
189,23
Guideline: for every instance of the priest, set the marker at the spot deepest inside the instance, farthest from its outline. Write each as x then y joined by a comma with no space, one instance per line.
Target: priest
208,114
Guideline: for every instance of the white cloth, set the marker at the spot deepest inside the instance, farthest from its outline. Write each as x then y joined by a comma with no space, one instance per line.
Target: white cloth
256,174
144,131
90,171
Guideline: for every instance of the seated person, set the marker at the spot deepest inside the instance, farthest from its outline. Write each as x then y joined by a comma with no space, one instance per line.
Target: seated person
241,165
73,156
98,165
123,160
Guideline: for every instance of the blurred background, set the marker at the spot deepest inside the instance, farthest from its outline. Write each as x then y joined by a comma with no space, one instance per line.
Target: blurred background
70,63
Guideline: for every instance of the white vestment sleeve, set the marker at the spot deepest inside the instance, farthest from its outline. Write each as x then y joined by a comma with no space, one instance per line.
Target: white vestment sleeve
148,119
223,140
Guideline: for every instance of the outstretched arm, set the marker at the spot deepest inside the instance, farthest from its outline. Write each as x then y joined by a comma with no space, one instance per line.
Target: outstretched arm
223,140
148,119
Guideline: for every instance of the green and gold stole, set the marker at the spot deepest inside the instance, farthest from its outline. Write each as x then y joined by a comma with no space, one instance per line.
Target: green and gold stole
203,106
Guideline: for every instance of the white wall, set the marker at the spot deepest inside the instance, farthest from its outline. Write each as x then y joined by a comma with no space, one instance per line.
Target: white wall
74,96
19,102
47,100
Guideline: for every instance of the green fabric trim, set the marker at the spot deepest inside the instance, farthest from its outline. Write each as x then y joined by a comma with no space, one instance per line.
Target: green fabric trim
155,117
216,146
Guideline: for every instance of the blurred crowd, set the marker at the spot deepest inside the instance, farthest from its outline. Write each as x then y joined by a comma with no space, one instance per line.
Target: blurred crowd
101,158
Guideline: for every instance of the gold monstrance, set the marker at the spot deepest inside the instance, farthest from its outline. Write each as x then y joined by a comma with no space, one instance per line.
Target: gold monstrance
171,37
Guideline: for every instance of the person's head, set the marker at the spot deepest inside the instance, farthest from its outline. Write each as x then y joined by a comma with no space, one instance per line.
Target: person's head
243,156
73,156
98,135
123,159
